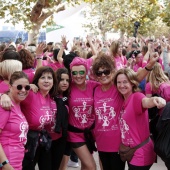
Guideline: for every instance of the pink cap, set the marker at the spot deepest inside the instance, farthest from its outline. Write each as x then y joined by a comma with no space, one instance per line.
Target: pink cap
77,61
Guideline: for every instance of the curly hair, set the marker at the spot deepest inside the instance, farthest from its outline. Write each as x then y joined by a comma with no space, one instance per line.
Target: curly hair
26,59
131,76
103,61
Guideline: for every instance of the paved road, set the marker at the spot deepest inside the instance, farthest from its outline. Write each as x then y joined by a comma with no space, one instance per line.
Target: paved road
157,166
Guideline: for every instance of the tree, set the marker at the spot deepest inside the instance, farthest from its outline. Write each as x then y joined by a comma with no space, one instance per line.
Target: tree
120,15
34,14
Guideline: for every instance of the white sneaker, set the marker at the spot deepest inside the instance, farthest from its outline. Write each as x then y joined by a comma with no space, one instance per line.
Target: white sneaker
72,164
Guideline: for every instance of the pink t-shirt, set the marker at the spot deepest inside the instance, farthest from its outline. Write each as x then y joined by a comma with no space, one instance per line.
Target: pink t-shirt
107,106
120,62
81,114
134,125
30,73
14,135
148,89
55,66
40,113
4,87
138,65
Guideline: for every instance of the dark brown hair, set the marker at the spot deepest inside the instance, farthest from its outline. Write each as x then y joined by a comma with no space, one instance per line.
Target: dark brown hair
39,72
59,72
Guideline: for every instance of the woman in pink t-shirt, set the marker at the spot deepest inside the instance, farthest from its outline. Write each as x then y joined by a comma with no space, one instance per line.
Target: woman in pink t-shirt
13,124
107,106
7,68
137,56
53,62
155,78
27,60
81,115
134,121
39,109
116,52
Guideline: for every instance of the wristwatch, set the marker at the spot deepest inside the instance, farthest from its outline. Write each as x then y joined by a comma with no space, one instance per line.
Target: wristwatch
4,163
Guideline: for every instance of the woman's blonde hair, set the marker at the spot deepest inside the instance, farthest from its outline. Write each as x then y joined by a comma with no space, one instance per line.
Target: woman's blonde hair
156,77
8,67
131,76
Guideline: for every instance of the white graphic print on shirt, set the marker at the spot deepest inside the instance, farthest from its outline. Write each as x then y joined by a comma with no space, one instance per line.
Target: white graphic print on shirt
82,112
106,114
47,118
124,128
24,130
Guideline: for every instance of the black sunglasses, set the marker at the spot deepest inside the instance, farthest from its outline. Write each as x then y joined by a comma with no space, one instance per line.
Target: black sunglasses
105,72
81,72
19,87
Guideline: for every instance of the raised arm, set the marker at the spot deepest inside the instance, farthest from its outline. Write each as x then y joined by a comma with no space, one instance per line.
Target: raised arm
142,73
39,55
93,49
64,43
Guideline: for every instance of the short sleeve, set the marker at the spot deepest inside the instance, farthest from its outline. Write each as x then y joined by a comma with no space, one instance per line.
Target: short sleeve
138,102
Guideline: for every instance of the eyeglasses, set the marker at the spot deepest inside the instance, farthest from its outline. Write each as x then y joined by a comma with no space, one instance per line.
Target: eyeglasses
20,87
81,72
105,72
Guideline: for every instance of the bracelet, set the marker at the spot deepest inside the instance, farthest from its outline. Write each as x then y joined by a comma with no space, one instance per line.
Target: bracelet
39,58
4,163
148,69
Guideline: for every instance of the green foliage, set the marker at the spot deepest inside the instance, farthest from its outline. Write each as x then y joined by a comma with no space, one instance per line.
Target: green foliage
120,15
19,11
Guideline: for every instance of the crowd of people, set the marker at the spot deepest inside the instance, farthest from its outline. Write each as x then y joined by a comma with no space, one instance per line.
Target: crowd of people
57,101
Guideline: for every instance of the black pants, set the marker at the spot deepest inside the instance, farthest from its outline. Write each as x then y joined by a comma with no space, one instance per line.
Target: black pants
47,160
111,161
132,167
57,152
42,157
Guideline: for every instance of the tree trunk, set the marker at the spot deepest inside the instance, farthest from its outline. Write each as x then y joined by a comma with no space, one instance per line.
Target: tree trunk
34,34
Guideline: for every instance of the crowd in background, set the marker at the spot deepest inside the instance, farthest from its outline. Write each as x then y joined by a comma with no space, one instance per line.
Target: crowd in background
95,95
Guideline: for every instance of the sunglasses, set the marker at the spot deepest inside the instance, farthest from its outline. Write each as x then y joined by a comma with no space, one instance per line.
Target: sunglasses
105,72
20,87
74,73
